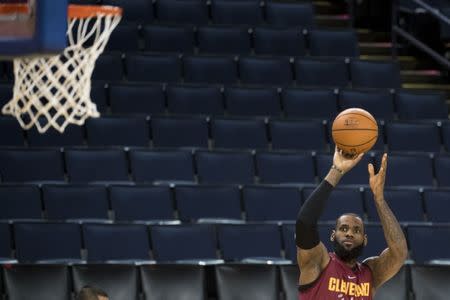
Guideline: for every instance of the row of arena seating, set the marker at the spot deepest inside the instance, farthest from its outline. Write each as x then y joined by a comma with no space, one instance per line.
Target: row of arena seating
190,203
243,167
112,242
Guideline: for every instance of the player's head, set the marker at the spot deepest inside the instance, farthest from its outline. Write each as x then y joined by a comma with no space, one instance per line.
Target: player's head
348,237
91,293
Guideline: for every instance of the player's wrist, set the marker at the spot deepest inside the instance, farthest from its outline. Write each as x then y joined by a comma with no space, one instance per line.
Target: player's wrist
334,176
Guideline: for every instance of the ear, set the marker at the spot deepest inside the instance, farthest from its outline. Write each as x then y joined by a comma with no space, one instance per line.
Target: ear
333,235
365,240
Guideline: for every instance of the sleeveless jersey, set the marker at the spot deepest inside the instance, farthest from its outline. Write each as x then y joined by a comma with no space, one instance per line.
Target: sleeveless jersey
340,282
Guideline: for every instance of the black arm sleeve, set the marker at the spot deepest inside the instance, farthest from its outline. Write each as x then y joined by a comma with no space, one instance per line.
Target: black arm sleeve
306,233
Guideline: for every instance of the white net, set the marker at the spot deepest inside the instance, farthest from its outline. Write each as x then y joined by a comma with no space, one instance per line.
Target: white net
54,91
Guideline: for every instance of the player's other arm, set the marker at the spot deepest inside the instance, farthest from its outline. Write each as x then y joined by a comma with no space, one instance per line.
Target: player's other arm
392,258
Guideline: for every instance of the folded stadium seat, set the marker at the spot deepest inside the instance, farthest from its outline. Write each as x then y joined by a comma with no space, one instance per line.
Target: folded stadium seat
430,282
136,11
235,167
437,204
236,12
20,202
323,72
98,95
118,131
12,133
6,92
342,200
75,202
124,38
73,136
298,135
208,202
375,74
47,242
39,282
173,281
194,99
309,103
420,237
395,288
289,275
180,131
442,170
40,165
116,242
290,14
153,67
446,135
5,243
271,203
119,281
132,98
108,66
408,169
357,176
245,241
405,203
247,281
290,248
198,240
182,12
342,43
168,38
210,69
285,167
223,40
143,203
279,41
421,105
248,101
378,102
166,166
265,70
90,165
399,136
239,133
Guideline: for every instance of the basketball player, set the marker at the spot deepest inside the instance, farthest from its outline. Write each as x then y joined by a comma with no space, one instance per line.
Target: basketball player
338,275
91,293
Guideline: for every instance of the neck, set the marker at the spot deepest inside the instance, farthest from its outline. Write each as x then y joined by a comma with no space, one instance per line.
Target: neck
351,264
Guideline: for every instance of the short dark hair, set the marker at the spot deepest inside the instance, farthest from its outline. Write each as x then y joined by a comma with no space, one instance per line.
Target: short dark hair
348,214
90,293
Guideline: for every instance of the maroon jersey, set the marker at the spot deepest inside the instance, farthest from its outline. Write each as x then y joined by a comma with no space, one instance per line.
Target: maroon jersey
340,282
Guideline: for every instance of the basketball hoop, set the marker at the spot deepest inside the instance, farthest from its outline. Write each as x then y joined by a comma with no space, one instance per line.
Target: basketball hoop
54,91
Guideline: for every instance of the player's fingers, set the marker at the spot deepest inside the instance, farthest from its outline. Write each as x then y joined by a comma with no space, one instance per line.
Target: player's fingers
370,169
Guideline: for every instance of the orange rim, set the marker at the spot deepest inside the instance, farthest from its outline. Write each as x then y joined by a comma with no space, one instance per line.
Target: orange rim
74,11
9,9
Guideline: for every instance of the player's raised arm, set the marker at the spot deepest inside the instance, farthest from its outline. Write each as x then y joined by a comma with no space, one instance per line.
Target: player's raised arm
392,258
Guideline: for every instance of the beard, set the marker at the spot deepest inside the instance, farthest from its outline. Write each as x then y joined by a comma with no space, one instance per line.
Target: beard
347,255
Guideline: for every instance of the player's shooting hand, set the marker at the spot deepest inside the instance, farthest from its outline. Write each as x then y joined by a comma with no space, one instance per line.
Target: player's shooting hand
344,162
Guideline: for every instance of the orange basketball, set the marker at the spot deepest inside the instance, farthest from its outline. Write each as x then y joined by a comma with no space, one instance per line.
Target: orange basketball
354,131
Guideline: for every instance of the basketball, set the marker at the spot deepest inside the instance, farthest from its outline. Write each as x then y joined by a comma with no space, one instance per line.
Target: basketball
354,131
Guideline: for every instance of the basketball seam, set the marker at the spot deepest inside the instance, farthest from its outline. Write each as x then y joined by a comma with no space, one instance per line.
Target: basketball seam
375,137
358,114
348,129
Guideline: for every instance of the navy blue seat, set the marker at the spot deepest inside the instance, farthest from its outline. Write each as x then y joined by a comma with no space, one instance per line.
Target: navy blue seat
279,41
247,101
442,170
236,12
309,103
399,136
208,202
421,236
271,203
75,202
5,241
446,135
108,66
421,105
98,95
117,131
47,242
239,133
6,93
199,242
168,38
321,72
150,166
267,70
379,102
235,167
90,165
406,169
73,136
437,204
194,99
12,134
375,74
281,167
115,242
180,132
129,98
298,135
223,40
141,202
182,12
290,14
124,38
358,175
40,165
210,69
288,235
429,280
343,43
153,67
20,202
136,11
